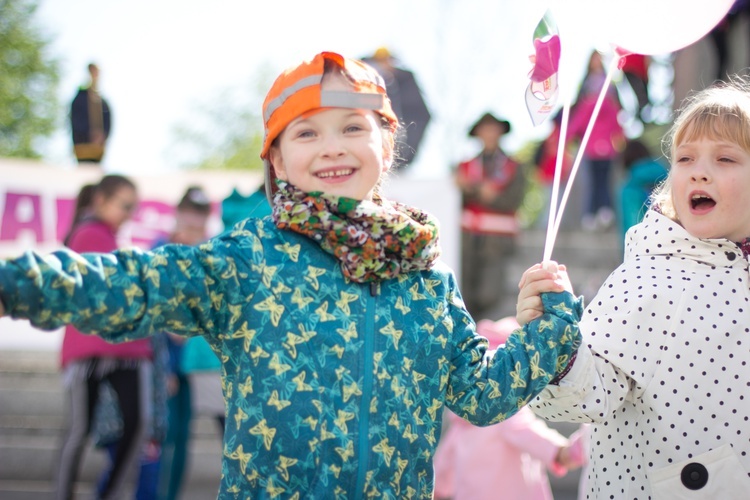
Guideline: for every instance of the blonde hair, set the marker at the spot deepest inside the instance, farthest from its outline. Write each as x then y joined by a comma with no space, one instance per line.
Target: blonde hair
720,112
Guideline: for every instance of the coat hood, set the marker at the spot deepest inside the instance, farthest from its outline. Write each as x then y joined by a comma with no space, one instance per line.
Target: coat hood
658,235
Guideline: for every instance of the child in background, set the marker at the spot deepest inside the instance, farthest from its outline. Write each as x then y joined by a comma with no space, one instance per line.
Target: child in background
662,374
190,228
236,207
88,361
475,463
84,203
643,173
107,427
341,335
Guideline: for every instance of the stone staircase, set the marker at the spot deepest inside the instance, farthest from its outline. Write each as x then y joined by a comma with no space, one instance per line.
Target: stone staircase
31,397
31,419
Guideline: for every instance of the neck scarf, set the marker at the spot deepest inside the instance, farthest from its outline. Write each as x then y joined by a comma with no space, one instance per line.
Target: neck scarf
373,240
745,246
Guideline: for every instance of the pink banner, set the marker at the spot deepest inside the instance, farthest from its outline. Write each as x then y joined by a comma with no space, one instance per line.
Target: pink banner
37,203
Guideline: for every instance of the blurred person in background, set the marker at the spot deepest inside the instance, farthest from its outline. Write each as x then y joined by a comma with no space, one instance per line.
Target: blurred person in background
509,459
90,120
492,188
88,361
191,228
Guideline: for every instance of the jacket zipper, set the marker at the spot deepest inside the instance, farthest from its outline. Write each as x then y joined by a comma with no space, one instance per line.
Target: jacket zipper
367,376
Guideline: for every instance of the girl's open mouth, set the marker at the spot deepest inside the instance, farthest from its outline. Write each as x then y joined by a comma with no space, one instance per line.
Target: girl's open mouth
702,202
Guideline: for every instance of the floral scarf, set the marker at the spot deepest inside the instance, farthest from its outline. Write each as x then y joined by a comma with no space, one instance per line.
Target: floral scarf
373,240
744,246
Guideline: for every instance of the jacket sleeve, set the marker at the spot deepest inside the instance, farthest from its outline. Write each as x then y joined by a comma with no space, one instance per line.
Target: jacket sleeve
592,390
616,362
486,387
123,295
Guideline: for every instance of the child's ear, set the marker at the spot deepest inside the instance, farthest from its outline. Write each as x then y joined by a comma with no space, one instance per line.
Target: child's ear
387,157
277,163
387,163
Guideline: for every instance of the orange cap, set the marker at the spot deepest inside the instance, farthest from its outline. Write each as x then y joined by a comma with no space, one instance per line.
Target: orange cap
298,91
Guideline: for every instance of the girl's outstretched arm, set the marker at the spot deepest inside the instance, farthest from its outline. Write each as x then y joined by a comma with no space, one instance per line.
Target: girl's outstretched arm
122,295
546,277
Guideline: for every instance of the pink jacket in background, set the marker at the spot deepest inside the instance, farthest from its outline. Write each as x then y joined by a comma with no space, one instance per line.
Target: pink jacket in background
506,460
607,136
95,236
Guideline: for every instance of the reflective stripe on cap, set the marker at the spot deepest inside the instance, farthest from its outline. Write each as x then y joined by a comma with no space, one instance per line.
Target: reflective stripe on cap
276,103
354,100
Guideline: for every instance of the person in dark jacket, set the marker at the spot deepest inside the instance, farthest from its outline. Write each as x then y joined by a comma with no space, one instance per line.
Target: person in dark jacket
90,121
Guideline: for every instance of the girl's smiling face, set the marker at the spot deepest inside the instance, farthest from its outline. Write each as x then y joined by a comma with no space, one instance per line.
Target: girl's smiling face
711,188
339,151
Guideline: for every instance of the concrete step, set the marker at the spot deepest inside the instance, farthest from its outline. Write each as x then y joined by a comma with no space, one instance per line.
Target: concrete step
40,490
31,428
589,256
31,458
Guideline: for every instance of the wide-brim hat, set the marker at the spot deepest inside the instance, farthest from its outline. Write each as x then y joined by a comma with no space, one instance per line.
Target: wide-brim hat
489,118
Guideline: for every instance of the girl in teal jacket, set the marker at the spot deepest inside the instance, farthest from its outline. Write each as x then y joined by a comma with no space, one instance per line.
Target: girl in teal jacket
341,335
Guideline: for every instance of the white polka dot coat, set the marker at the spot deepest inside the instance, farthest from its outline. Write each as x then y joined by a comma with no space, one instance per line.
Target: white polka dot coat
663,373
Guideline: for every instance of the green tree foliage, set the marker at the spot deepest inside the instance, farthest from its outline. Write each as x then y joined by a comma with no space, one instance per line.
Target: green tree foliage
28,81
225,133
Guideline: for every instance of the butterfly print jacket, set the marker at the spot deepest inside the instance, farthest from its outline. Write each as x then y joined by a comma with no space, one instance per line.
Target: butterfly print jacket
333,389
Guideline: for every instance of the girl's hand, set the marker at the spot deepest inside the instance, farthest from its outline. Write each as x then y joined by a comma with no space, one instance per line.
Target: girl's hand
546,277
569,457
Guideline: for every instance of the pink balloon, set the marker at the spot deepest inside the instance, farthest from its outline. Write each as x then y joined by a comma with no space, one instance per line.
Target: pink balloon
654,27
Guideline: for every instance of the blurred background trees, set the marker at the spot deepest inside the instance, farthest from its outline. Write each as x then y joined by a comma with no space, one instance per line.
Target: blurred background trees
29,107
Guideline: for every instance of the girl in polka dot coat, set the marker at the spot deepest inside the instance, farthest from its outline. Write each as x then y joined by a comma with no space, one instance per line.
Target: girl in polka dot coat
662,374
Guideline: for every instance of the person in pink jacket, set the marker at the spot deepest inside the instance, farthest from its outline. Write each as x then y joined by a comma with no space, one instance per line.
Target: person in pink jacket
87,360
506,460
603,147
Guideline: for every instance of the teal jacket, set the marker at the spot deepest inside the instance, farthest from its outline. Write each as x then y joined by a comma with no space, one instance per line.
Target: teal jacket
198,356
334,389
644,176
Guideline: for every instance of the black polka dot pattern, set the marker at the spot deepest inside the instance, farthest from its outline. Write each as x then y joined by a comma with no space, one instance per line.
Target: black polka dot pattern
669,337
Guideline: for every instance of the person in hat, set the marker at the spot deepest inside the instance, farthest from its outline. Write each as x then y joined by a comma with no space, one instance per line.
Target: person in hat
492,188
407,102
341,335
